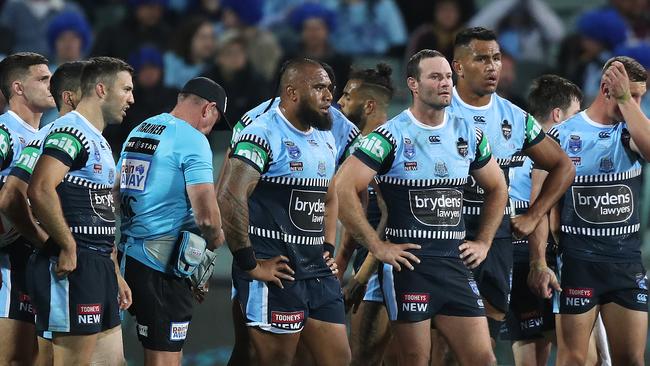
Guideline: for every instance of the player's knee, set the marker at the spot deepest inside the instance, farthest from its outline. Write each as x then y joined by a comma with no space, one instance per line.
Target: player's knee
484,358
629,359
571,358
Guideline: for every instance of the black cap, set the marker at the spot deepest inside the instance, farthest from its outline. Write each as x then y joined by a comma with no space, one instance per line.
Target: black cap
210,91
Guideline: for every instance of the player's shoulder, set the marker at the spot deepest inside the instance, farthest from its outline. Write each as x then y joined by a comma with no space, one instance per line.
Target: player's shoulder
505,105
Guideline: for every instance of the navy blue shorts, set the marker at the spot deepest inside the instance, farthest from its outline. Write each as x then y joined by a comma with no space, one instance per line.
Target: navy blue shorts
587,284
437,286
494,275
83,302
529,316
282,311
15,302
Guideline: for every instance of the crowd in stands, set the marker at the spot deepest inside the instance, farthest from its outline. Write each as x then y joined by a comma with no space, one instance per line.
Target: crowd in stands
241,43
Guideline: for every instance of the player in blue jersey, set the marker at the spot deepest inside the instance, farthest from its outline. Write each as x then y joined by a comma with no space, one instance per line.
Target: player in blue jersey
243,352
530,319
601,269
422,159
24,82
170,147
279,209
513,134
365,101
66,91
74,279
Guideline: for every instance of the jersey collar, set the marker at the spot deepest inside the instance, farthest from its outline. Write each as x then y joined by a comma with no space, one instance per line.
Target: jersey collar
86,121
462,103
311,129
25,124
425,126
584,115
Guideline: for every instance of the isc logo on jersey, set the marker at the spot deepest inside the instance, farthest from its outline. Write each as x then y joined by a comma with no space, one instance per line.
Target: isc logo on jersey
134,174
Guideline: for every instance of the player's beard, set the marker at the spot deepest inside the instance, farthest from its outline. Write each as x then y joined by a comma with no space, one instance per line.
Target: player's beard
356,116
314,117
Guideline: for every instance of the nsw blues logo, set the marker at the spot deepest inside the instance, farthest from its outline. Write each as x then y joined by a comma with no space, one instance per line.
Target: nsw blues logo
606,165
96,153
575,144
409,148
461,147
440,169
292,149
642,281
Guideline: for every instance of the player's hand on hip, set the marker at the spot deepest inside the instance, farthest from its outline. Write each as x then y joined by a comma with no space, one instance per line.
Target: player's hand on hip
353,293
273,270
473,253
542,280
124,295
396,255
67,262
331,263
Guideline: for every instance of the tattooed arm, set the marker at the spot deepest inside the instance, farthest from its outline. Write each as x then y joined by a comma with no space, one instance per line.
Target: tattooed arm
233,199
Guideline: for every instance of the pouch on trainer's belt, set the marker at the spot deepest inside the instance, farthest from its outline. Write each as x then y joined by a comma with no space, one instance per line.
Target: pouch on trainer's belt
182,255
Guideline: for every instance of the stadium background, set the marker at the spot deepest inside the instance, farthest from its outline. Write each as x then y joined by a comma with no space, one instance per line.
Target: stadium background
240,44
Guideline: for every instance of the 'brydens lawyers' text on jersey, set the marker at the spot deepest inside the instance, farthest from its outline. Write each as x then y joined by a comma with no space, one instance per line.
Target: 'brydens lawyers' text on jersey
510,130
287,207
85,192
160,157
600,211
421,174
345,132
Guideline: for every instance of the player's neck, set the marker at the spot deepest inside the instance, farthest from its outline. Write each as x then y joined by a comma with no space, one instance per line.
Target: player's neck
469,97
597,112
26,113
373,122
427,115
92,112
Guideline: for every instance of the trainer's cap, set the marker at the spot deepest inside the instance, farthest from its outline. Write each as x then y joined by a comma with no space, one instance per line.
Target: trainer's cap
210,91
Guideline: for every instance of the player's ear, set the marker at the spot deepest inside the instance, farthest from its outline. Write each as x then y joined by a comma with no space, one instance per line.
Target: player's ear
412,84
457,67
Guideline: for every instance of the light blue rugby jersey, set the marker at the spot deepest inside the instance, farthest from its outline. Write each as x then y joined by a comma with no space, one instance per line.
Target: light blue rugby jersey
421,171
15,133
345,132
160,157
510,130
600,211
287,207
85,192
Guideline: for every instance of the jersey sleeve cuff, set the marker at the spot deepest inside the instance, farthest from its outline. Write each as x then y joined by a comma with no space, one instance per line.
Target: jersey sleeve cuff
21,174
59,155
367,160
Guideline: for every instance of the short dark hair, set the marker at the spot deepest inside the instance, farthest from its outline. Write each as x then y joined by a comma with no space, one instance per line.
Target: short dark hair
67,77
551,91
413,66
635,71
16,66
101,70
377,79
467,35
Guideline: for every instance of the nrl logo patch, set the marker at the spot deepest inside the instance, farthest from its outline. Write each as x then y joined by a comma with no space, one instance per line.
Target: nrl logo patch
506,129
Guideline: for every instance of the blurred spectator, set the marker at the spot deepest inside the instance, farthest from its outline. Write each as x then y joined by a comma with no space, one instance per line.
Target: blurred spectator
641,53
370,27
143,25
508,81
264,51
582,55
151,96
440,34
524,27
314,23
29,19
69,38
210,9
192,46
232,70
276,12
637,15
417,13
